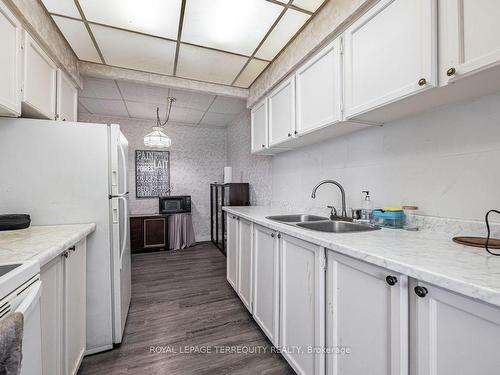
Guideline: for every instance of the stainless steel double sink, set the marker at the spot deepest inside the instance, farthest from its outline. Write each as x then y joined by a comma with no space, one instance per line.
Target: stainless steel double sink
322,224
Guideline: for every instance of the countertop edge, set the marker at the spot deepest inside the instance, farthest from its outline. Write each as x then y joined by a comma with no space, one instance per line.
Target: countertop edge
478,292
46,256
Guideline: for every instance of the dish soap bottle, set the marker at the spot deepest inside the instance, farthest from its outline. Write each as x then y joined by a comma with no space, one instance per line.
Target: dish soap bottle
366,208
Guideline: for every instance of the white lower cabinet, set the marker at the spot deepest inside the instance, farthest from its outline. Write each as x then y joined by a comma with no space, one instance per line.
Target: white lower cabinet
63,311
245,262
453,334
266,287
232,251
367,318
302,305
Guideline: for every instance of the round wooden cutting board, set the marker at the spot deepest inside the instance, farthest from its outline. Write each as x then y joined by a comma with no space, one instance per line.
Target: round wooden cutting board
493,243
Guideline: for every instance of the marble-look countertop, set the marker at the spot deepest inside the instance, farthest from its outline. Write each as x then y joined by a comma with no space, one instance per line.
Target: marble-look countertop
427,256
41,243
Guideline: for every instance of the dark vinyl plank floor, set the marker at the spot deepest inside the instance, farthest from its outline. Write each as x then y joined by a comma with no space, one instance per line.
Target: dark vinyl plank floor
182,305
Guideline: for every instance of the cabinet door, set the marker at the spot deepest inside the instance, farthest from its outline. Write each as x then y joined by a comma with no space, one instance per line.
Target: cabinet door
454,334
259,126
266,282
155,232
282,112
319,90
390,54
470,36
40,77
367,314
302,307
67,98
75,268
10,63
52,315
232,251
245,263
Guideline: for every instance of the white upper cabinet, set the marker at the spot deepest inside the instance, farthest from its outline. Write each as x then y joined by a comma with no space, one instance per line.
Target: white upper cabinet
266,282
470,39
367,313
40,78
318,90
389,54
10,63
282,112
453,334
302,307
259,126
245,262
67,98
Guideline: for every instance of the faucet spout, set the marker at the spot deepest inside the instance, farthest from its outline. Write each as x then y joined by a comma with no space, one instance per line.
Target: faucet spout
342,192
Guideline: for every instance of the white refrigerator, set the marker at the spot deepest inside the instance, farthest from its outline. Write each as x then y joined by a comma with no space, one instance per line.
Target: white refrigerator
67,173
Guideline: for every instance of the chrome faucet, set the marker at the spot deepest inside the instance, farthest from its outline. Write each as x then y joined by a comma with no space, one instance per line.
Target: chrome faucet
342,192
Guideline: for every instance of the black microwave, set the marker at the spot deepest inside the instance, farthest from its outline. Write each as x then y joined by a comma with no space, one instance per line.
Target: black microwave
175,204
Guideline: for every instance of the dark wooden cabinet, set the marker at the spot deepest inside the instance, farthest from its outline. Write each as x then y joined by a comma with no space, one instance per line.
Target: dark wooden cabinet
232,194
148,233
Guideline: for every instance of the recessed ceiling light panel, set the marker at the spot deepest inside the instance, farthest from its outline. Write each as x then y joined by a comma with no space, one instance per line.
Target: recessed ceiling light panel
78,38
62,7
231,25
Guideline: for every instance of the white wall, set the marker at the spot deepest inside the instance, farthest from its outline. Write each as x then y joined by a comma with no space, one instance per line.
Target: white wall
197,158
446,161
253,169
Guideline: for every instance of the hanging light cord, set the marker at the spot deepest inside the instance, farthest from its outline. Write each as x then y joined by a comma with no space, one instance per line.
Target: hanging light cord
168,109
488,229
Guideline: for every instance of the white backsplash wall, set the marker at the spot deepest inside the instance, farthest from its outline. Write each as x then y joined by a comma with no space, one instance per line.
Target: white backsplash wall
197,158
446,161
253,169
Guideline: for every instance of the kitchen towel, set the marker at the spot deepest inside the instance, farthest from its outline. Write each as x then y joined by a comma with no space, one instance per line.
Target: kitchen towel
11,341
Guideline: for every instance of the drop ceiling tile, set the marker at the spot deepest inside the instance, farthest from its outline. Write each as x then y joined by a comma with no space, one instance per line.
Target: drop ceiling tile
78,38
105,107
62,7
135,51
185,115
208,65
178,115
143,93
98,88
251,71
153,17
310,5
231,25
142,110
217,119
229,106
189,99
286,28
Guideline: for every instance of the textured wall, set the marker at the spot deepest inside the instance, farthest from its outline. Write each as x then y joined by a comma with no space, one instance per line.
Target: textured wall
445,161
197,155
329,22
45,31
247,167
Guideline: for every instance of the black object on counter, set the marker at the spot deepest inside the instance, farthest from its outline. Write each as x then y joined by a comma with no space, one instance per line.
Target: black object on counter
12,222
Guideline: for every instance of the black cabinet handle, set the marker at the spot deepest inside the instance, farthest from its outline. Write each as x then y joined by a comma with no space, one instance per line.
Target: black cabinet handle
272,235
279,235
451,72
296,132
391,280
422,82
289,134
263,146
421,291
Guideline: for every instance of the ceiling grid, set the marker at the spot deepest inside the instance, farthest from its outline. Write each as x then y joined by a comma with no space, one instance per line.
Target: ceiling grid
217,43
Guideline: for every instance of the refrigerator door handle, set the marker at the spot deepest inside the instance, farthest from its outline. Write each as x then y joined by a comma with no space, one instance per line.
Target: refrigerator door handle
125,170
125,231
110,196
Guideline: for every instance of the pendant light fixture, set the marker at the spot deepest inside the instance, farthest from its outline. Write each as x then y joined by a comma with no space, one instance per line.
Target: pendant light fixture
157,138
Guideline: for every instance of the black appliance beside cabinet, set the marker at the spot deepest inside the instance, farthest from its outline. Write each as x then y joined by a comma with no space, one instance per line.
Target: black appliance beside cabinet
232,194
